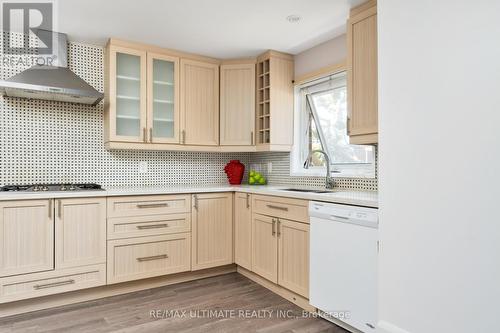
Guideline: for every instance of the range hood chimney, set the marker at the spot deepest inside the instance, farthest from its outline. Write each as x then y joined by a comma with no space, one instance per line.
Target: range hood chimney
54,83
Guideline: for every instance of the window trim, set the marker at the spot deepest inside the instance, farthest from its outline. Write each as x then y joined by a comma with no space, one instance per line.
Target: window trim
295,170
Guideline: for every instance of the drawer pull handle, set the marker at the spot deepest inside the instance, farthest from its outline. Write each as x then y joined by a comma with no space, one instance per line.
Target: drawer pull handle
155,205
52,285
152,226
278,207
161,256
273,230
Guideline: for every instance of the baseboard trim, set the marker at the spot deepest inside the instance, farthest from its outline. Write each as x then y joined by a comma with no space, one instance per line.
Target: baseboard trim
285,293
47,302
386,327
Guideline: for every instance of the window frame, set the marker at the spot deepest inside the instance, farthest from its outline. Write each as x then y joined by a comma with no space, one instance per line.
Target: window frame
344,170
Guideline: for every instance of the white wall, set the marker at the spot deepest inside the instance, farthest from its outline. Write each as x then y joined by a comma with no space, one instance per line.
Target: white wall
439,86
325,54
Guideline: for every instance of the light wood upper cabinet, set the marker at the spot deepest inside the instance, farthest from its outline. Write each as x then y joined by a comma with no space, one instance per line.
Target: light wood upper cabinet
199,103
237,104
80,232
265,247
125,101
163,98
243,230
212,230
274,122
362,74
26,237
293,256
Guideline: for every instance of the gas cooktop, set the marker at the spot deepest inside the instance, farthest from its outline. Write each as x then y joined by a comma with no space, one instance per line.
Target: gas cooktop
51,187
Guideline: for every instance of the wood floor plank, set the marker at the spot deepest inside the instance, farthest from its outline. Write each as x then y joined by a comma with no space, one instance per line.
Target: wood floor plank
232,299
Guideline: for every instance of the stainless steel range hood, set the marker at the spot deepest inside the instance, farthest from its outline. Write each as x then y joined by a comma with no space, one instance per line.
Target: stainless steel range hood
54,83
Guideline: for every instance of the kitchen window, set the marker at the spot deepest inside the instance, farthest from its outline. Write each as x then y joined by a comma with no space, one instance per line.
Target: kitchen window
321,123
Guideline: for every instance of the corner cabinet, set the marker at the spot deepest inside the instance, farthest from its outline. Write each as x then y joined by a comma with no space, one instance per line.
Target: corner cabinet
362,90
212,230
199,103
237,104
274,122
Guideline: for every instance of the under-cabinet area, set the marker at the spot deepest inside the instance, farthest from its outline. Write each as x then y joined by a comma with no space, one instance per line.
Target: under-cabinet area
82,243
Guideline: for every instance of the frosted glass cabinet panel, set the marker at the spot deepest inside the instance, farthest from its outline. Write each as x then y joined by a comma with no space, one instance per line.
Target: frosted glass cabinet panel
128,95
163,109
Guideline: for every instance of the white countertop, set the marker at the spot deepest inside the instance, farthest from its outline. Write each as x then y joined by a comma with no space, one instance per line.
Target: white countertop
349,197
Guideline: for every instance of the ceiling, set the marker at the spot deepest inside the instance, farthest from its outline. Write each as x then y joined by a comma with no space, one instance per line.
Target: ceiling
217,28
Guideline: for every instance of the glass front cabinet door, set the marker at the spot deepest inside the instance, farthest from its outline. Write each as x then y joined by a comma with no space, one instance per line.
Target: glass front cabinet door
127,100
143,97
163,92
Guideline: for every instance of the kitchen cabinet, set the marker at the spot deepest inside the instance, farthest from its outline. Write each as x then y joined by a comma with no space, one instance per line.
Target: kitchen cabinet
199,103
274,122
265,247
280,246
293,256
142,100
27,237
362,90
80,232
243,230
145,257
125,100
163,98
237,104
212,230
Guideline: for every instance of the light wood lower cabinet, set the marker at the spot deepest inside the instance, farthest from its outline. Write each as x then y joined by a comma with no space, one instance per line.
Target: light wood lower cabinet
212,230
19,287
293,256
280,252
27,237
243,230
265,247
80,235
150,225
144,257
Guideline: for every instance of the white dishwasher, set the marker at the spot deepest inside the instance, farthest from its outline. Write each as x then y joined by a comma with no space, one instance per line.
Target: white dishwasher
343,264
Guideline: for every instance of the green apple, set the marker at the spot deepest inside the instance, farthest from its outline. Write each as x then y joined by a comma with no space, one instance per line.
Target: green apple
252,173
251,180
262,181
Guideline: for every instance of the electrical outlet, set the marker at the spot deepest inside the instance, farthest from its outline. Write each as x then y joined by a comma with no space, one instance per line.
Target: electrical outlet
143,167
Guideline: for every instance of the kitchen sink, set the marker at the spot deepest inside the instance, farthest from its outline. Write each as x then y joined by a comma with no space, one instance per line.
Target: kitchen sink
306,190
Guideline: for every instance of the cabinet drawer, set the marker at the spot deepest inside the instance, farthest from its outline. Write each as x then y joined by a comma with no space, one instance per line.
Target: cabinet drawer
292,209
144,257
153,225
148,205
48,283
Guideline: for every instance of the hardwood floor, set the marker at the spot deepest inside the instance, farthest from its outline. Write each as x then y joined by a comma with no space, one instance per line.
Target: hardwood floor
236,304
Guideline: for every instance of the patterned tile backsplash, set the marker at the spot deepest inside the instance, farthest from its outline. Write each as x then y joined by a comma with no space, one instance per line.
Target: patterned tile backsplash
44,142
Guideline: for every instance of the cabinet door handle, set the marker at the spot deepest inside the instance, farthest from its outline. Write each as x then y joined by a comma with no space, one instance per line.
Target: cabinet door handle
144,135
53,284
248,200
154,205
195,197
348,125
251,138
59,208
51,208
152,226
151,135
159,257
279,228
273,230
277,207
183,134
